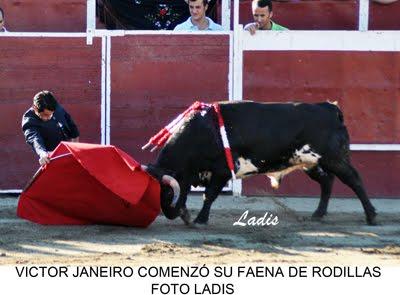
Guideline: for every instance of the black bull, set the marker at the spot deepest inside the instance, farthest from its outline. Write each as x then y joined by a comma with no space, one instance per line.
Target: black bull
265,138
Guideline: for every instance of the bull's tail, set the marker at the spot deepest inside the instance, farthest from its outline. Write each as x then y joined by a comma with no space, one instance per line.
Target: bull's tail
339,142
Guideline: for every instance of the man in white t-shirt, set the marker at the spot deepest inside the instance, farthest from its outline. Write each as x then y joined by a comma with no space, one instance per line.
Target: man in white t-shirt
198,21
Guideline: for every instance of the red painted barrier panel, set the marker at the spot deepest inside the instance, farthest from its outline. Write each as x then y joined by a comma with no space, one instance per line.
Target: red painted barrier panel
155,78
367,87
384,17
66,66
45,16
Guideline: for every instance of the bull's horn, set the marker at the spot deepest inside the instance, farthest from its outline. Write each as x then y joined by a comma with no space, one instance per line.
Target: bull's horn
169,180
144,167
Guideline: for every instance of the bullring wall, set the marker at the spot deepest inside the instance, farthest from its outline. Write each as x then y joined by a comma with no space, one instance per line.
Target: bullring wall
124,88
152,80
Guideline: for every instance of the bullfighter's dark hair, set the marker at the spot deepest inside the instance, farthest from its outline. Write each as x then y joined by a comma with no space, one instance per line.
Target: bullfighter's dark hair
205,2
45,100
263,3
2,12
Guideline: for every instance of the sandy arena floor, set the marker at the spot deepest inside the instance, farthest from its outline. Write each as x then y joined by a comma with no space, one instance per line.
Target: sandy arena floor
341,238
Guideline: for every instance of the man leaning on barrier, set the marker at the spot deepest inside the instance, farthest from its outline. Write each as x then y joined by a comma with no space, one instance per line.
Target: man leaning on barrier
198,21
262,13
46,124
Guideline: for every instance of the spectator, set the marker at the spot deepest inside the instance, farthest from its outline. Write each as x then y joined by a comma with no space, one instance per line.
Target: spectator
198,21
384,1
46,124
262,13
2,21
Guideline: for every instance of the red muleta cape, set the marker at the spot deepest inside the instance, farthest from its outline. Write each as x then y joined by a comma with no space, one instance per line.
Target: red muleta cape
91,184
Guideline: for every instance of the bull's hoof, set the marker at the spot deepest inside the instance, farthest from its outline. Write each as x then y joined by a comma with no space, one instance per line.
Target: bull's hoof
317,218
200,223
187,221
371,219
318,215
185,216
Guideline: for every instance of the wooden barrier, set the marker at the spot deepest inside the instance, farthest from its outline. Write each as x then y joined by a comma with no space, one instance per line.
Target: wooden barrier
155,77
384,17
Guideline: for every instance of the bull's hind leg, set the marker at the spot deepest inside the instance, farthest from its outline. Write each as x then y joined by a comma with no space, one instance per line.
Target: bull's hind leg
325,180
213,189
349,176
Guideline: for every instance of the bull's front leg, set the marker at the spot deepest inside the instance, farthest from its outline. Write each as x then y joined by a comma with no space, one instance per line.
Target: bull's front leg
213,189
184,212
